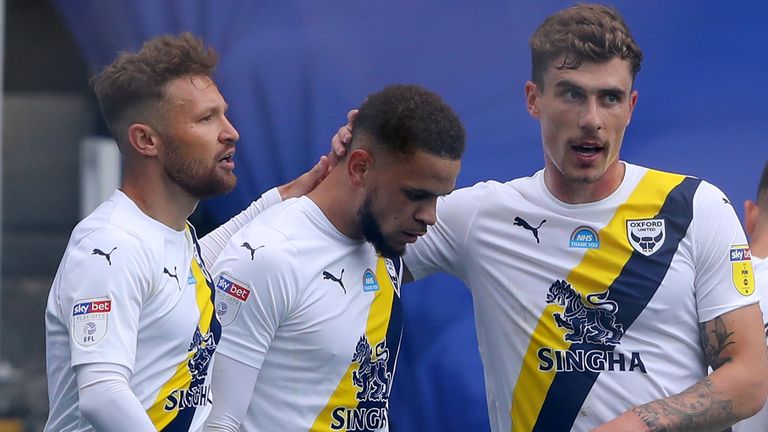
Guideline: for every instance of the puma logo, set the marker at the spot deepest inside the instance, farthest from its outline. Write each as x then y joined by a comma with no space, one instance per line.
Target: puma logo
535,231
106,255
726,201
252,250
168,272
328,276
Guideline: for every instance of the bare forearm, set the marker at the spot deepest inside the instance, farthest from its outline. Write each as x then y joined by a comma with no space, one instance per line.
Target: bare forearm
734,347
699,408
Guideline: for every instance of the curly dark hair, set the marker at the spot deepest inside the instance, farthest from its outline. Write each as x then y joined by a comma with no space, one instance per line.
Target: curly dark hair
406,118
132,87
585,32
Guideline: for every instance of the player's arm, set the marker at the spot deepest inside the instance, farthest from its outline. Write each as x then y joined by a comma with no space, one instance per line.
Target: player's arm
106,276
736,389
232,387
258,288
107,401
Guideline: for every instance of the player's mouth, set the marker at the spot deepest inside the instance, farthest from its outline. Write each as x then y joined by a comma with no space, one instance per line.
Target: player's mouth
228,160
587,149
411,237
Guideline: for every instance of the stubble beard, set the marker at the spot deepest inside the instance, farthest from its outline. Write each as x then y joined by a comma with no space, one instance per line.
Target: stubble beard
191,176
372,233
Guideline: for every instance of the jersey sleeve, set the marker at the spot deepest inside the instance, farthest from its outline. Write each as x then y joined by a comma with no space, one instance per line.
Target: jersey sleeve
724,276
105,279
256,287
444,244
212,244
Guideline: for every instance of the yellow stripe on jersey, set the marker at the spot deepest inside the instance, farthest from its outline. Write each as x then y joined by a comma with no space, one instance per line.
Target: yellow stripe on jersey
182,378
375,331
594,274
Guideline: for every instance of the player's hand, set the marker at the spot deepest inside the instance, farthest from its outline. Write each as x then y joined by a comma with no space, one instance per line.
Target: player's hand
307,181
342,138
627,422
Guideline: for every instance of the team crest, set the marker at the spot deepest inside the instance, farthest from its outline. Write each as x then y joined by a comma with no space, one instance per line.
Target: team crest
646,235
591,321
89,320
230,294
741,269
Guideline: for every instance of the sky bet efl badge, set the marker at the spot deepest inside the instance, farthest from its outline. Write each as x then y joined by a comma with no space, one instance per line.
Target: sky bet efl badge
89,320
646,235
230,294
741,268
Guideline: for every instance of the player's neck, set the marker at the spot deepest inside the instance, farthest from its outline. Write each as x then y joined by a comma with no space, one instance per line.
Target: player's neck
164,202
338,202
582,192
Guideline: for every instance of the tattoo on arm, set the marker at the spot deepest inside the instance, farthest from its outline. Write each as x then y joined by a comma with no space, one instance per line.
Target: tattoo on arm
690,410
697,407
715,337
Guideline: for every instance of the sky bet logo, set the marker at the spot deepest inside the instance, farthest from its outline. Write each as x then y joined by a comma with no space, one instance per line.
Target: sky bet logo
101,306
233,289
89,320
741,254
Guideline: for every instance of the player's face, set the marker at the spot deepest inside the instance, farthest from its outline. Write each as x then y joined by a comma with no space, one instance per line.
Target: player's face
401,200
583,114
199,139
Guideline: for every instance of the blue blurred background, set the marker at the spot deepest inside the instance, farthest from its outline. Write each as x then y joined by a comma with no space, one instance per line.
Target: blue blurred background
290,71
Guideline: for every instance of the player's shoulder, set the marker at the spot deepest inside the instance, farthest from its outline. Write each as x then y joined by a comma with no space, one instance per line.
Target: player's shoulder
105,240
709,201
477,191
117,228
489,192
260,245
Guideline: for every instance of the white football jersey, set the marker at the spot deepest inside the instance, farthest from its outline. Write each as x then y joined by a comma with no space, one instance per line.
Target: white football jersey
133,292
758,422
583,311
317,313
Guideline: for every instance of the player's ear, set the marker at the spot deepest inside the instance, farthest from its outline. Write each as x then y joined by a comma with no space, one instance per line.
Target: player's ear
359,163
143,139
750,216
531,99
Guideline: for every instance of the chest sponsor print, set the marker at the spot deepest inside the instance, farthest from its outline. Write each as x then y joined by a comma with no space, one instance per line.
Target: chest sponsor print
230,295
592,330
372,380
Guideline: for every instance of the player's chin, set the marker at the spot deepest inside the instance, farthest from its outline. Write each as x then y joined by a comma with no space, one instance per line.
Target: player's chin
392,249
398,248
226,182
218,185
